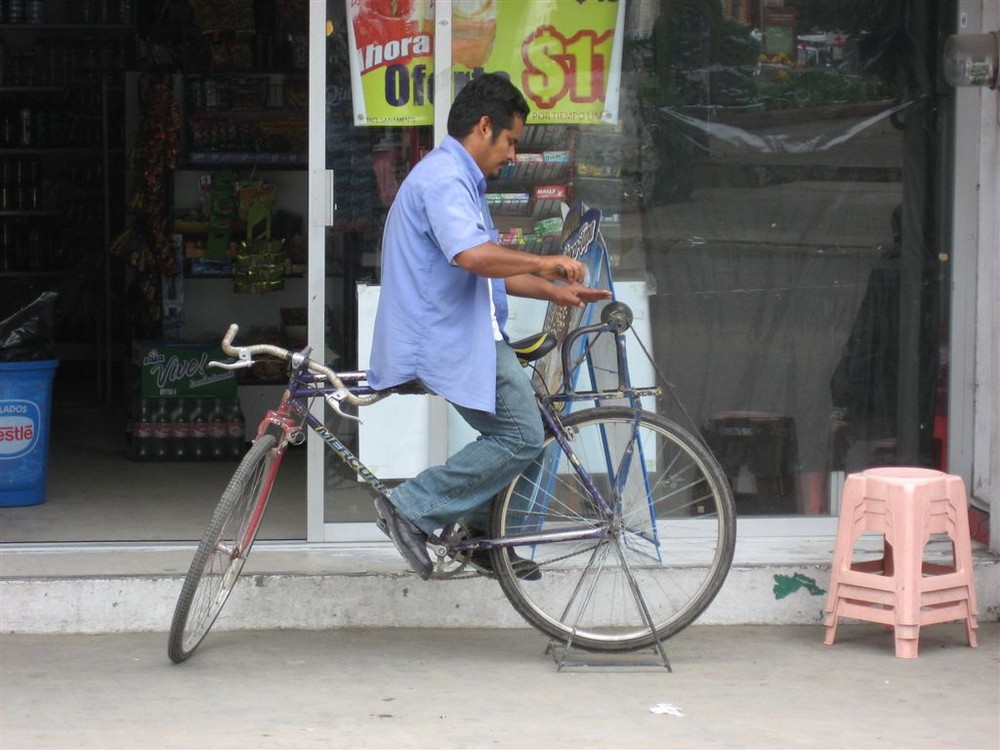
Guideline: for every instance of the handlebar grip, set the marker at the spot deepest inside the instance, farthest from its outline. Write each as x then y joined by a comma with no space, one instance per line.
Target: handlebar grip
227,340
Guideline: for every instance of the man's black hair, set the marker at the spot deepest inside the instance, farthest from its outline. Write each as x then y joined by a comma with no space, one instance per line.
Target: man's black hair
492,95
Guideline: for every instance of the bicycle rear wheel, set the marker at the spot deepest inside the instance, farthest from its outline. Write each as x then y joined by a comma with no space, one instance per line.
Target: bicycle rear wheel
223,549
652,566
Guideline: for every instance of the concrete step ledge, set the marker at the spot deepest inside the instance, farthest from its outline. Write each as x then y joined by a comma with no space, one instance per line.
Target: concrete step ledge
313,587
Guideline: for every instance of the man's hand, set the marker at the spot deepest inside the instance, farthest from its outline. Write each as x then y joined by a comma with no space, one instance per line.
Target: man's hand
562,268
533,286
577,295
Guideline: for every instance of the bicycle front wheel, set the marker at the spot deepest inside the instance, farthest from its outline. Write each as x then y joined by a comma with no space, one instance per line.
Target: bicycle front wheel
621,578
223,549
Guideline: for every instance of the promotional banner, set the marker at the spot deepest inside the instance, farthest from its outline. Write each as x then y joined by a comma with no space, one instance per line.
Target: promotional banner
564,55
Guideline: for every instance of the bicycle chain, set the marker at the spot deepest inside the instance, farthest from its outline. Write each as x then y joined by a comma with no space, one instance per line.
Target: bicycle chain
456,577
383,526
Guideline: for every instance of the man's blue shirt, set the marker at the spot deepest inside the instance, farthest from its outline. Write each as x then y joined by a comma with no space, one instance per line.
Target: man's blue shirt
434,320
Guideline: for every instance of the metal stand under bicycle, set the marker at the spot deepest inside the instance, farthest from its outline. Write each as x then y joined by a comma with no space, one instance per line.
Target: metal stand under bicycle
566,656
616,659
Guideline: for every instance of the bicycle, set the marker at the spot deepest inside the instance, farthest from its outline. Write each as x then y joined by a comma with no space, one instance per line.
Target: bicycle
629,517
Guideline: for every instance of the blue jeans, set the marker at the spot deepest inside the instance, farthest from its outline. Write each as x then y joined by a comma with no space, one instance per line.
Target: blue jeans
508,441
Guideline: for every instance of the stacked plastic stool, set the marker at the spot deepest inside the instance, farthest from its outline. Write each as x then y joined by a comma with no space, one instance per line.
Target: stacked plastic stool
901,590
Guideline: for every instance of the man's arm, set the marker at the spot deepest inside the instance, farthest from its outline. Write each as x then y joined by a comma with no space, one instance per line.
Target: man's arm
498,262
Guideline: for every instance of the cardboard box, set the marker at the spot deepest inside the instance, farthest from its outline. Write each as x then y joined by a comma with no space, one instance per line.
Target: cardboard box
180,369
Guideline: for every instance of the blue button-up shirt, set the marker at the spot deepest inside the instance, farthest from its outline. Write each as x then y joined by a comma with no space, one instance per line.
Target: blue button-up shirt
434,321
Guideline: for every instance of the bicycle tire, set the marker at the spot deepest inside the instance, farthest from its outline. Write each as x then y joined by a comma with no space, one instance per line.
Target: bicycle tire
673,533
224,548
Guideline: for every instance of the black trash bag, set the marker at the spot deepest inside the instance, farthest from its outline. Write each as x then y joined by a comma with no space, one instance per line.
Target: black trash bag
26,336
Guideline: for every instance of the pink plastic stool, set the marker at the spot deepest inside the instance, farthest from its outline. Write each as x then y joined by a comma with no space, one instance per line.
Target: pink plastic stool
906,506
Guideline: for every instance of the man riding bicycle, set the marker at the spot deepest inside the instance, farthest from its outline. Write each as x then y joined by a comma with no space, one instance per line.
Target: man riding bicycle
441,317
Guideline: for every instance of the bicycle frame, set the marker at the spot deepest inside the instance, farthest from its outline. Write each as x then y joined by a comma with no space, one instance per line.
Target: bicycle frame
293,414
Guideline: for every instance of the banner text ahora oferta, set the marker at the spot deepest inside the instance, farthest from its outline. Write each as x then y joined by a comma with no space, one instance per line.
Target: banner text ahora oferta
560,53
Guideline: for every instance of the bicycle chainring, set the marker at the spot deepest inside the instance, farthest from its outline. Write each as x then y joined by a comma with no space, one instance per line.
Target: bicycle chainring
447,561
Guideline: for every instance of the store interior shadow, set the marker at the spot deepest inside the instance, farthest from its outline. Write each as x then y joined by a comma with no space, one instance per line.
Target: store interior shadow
96,494
758,453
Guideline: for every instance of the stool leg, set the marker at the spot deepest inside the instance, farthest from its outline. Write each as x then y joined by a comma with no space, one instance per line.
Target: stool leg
831,626
970,629
961,544
843,551
832,600
907,641
905,550
888,570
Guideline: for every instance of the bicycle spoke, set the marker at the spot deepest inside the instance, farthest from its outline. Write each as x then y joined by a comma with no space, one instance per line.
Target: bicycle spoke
589,569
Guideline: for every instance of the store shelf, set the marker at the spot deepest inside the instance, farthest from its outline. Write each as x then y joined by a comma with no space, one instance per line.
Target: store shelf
537,168
540,137
533,244
509,204
273,113
52,151
243,158
29,274
97,28
31,89
64,174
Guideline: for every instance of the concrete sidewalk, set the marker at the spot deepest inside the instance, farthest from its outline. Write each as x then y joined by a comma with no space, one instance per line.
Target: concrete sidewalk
734,686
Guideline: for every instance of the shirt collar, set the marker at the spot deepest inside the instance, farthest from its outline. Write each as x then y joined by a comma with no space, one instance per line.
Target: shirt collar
452,146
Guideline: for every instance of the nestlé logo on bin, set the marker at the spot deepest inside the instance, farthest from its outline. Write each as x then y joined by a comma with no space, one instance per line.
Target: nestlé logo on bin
19,422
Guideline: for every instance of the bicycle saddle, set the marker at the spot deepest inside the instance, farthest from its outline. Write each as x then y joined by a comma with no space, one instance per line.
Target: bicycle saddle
534,347
527,350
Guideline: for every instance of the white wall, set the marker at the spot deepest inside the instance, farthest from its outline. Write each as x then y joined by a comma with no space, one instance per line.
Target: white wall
974,405
986,441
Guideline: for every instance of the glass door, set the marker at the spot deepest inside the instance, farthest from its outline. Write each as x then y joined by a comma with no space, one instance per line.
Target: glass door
354,172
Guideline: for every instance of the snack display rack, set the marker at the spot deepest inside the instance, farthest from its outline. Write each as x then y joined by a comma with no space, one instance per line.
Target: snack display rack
525,199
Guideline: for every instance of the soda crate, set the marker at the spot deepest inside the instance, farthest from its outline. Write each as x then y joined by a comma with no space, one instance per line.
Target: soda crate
180,369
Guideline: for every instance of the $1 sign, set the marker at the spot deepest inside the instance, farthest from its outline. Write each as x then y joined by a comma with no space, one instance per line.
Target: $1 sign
556,66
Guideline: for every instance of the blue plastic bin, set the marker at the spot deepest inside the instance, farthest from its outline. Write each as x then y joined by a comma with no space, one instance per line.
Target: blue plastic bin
25,408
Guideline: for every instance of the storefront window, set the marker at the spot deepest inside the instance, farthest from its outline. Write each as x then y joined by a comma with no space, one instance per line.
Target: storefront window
790,201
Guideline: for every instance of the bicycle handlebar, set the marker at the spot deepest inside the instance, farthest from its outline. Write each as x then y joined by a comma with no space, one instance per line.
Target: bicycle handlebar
245,356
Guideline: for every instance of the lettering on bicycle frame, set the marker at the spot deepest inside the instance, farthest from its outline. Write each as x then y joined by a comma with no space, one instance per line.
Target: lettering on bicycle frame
349,458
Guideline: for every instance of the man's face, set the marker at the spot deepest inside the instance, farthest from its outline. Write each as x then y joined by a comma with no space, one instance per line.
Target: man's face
495,154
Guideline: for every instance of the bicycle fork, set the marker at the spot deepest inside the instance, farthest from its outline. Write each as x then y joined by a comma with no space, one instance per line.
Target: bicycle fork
291,432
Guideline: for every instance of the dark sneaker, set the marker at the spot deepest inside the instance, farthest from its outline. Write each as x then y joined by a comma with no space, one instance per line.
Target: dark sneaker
526,570
409,539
